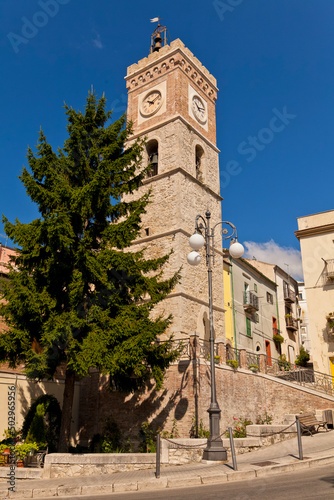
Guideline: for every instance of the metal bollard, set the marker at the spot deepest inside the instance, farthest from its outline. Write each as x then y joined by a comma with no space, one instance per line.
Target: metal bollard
157,460
299,437
234,458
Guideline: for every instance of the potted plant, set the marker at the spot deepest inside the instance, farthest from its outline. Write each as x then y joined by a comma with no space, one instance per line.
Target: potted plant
330,320
302,358
216,359
4,454
233,363
283,363
36,437
278,339
253,368
22,450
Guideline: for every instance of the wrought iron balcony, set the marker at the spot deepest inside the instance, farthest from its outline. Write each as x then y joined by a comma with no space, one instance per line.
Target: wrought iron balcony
291,323
251,302
329,270
289,295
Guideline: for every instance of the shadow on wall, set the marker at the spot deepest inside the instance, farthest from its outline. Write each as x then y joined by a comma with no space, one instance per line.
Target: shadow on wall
29,390
98,403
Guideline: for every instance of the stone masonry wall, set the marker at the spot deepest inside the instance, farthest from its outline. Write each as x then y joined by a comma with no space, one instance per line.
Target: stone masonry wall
186,395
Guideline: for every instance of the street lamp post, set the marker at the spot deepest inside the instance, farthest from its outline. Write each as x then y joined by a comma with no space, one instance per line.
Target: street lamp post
204,235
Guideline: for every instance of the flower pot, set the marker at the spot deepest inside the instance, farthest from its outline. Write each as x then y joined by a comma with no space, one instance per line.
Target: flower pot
4,457
253,369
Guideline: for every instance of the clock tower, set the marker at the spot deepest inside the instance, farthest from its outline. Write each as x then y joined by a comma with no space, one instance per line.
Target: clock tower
171,102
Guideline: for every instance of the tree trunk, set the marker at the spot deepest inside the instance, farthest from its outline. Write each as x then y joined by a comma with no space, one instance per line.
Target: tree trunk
66,417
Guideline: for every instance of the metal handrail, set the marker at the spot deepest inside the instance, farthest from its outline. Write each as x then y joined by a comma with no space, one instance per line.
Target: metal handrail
279,368
305,377
232,354
252,359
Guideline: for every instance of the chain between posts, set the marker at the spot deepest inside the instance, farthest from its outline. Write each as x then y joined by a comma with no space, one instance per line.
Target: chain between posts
224,434
272,433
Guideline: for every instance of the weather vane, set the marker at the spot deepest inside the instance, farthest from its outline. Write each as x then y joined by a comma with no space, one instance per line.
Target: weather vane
156,20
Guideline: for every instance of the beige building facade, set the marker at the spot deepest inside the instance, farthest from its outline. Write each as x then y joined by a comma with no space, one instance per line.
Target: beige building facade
286,305
254,315
303,315
316,237
5,254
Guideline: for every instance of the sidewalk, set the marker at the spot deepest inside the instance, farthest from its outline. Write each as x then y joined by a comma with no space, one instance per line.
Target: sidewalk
281,457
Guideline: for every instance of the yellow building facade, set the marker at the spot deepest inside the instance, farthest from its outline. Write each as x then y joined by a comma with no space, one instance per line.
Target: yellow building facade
228,302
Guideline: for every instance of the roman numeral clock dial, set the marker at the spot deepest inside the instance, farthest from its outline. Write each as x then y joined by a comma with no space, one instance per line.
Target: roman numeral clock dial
199,109
151,103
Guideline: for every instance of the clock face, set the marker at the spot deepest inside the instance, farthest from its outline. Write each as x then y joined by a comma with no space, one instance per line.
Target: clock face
151,103
198,108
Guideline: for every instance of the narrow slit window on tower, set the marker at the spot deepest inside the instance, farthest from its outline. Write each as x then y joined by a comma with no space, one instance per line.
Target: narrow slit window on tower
153,157
199,153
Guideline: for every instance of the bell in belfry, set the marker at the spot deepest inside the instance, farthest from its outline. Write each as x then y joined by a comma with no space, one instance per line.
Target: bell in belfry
157,43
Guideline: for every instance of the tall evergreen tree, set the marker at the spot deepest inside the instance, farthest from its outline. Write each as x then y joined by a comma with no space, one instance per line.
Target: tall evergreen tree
77,297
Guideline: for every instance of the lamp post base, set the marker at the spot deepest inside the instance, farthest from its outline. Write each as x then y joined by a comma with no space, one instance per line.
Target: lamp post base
215,450
215,455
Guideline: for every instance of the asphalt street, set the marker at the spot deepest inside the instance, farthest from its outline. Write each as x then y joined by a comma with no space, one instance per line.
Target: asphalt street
311,484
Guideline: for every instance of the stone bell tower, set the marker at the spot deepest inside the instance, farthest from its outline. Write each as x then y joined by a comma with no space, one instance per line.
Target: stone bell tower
171,102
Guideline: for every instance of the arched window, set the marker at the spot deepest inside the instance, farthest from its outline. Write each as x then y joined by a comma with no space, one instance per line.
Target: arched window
152,149
199,154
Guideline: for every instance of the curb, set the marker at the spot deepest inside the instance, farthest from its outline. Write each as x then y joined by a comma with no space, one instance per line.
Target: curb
163,482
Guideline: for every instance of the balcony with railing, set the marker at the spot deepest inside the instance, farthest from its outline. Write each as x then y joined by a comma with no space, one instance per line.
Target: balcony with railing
251,302
291,323
329,270
289,295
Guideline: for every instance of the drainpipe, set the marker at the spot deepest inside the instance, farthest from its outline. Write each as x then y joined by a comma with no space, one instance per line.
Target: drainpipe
233,309
277,303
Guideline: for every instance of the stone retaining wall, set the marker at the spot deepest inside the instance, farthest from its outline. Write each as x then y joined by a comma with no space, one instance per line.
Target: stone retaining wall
93,464
173,452
185,398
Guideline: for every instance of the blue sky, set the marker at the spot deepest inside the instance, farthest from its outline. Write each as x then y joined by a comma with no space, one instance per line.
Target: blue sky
271,59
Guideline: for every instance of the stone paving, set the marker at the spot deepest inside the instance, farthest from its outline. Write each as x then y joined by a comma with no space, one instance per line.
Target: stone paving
281,457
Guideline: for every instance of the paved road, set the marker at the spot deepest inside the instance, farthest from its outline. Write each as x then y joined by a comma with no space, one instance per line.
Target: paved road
312,484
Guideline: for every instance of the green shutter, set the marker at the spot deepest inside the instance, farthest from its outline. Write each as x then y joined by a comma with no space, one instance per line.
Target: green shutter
248,327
